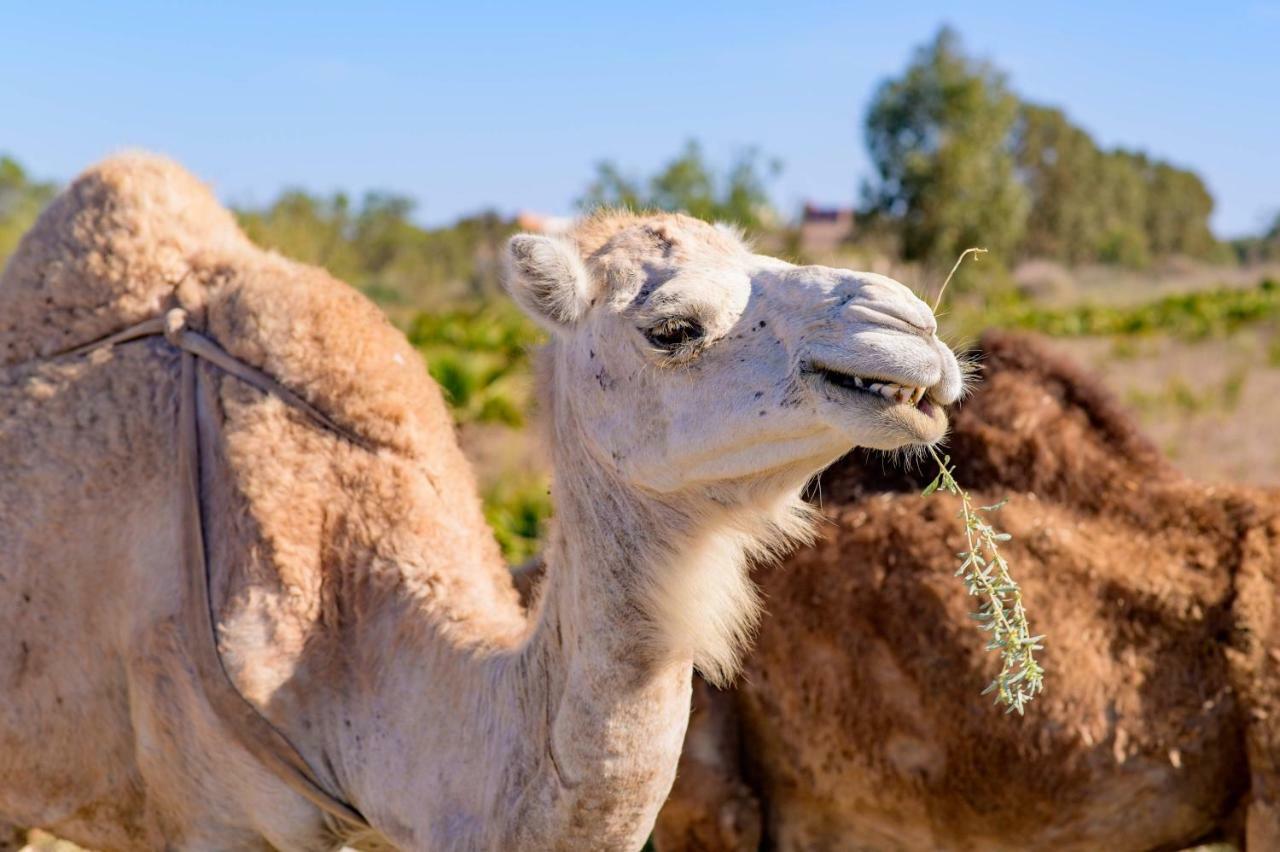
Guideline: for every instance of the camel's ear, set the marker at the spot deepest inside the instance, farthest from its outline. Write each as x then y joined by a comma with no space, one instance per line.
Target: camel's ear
546,277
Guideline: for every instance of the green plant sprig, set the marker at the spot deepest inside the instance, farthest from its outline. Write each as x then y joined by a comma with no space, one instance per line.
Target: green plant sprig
986,576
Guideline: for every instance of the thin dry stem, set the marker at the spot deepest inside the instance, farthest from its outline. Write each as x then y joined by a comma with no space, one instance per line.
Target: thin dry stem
959,260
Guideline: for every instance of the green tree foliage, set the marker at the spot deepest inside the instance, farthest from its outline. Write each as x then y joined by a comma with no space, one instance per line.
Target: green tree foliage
1123,202
689,184
1178,208
939,141
1114,206
21,200
376,246
1061,168
960,161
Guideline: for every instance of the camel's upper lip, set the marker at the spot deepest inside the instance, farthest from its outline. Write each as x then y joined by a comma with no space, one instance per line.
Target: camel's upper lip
894,391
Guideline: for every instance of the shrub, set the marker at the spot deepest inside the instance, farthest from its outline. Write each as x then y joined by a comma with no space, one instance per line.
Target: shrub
518,511
480,356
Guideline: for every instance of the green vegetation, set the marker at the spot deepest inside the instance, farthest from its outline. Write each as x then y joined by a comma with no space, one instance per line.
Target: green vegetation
961,161
518,511
21,200
1090,205
480,356
986,576
944,175
1186,316
376,246
687,183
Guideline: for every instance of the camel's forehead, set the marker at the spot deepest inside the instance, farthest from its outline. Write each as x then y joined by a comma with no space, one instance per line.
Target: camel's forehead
647,261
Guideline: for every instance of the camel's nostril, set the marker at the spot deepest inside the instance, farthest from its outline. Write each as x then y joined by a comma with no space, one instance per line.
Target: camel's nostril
915,314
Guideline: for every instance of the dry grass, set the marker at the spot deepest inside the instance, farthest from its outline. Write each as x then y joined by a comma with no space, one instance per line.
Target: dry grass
1211,406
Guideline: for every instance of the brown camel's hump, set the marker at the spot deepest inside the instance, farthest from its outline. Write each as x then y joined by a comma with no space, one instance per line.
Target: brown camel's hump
1036,423
1157,595
108,252
138,234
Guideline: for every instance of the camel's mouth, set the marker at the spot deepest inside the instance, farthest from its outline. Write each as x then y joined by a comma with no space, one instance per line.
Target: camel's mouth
894,392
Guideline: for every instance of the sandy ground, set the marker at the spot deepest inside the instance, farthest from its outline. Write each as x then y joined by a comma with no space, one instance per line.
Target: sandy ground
1213,407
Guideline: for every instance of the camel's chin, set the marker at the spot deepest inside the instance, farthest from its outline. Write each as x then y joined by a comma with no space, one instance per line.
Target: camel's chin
899,425
919,425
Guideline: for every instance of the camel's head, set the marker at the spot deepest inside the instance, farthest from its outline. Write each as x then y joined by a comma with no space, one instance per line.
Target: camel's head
689,361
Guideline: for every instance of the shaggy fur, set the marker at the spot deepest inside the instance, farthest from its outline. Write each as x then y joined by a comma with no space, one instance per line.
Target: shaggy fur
360,601
307,534
859,713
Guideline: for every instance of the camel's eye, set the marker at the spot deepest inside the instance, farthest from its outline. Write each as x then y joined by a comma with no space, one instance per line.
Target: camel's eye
675,334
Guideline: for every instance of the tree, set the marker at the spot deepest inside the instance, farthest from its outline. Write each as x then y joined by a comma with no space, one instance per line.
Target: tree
687,183
1122,197
21,200
939,139
1178,210
378,247
1061,168
307,228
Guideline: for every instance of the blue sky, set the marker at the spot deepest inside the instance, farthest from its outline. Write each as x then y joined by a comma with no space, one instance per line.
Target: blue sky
510,105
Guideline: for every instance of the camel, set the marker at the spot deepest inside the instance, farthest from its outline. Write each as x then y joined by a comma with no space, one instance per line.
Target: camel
858,723
258,419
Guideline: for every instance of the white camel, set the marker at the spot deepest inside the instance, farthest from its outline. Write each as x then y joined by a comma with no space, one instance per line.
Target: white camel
691,388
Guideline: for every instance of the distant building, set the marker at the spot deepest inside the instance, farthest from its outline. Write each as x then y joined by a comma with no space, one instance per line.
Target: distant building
824,229
541,223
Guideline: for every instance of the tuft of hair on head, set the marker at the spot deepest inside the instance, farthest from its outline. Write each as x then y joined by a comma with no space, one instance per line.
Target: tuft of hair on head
735,233
708,606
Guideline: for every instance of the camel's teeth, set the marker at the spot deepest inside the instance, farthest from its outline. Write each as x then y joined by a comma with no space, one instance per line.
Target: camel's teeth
905,394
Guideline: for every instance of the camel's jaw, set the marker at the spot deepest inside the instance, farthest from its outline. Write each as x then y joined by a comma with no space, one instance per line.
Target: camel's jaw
899,411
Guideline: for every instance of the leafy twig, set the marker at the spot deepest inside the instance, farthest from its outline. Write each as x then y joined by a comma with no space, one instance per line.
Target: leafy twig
986,576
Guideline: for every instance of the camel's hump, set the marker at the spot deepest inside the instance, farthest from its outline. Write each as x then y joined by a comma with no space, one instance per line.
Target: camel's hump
138,234
107,253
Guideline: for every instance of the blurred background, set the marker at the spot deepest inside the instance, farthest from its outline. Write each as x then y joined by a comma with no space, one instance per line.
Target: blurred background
1118,162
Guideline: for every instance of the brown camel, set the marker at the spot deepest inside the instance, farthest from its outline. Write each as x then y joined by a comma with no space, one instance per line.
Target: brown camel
858,724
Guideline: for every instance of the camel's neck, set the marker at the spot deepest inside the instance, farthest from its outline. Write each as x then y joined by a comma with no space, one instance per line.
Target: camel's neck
569,738
610,697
